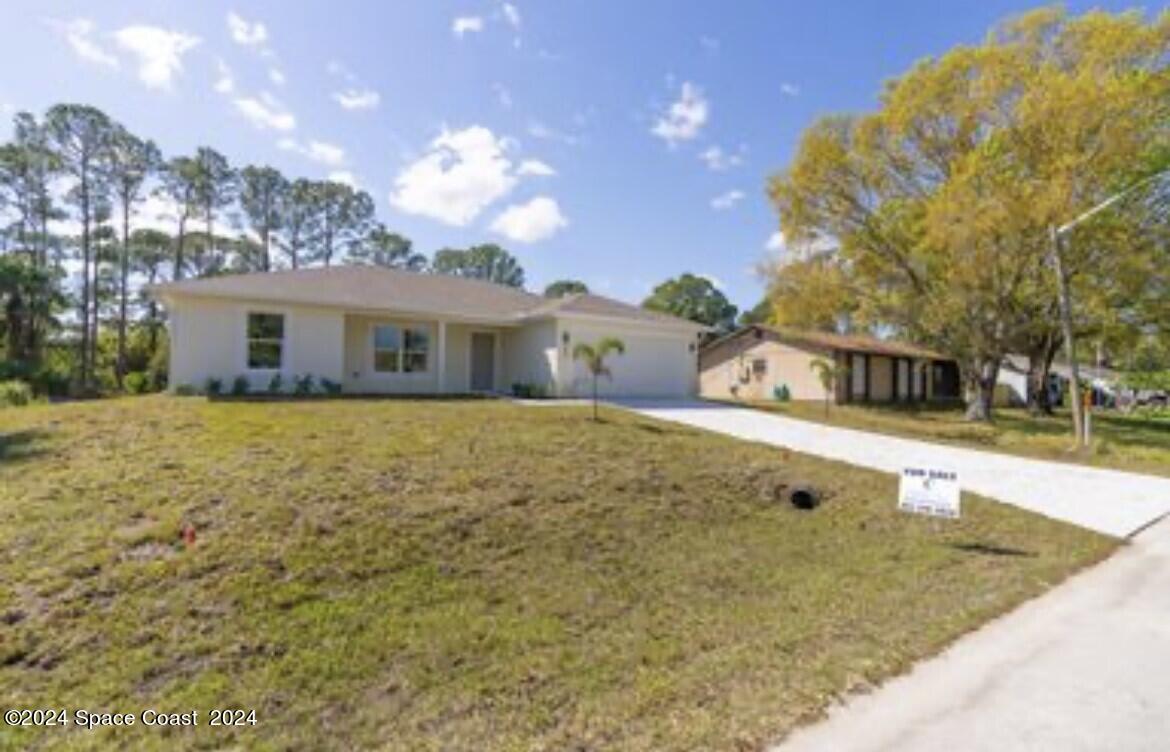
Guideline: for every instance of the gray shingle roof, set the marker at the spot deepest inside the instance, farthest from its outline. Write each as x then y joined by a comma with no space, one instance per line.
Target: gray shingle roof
379,288
588,304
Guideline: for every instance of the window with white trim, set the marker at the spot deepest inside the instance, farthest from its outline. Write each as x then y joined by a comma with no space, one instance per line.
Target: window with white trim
265,341
400,349
414,353
387,348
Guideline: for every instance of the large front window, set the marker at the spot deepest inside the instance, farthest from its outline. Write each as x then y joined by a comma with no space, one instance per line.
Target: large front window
387,349
399,349
265,341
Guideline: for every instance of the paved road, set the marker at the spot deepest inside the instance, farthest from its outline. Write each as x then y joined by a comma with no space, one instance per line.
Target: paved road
1085,667
1108,501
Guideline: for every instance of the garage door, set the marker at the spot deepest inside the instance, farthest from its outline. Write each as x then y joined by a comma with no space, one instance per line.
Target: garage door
652,366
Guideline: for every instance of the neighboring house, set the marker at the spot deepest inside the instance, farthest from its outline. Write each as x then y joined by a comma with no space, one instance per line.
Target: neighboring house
755,362
1012,386
378,330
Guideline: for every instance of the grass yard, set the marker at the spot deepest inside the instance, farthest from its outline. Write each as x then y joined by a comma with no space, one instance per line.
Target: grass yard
446,575
1124,442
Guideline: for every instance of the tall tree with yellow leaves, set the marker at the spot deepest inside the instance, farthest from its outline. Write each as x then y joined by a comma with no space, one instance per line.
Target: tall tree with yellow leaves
940,201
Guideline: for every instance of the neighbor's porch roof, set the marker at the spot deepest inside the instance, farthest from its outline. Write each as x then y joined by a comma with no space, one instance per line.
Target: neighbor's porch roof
853,343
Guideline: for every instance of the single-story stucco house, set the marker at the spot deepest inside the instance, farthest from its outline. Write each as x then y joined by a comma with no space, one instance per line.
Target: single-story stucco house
378,330
755,362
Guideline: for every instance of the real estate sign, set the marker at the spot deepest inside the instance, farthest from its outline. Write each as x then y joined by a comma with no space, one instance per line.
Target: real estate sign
929,491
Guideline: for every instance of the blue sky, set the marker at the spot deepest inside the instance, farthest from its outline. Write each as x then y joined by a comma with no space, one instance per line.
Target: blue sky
620,143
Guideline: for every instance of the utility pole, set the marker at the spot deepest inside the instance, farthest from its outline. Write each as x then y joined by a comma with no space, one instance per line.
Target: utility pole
1070,346
1056,235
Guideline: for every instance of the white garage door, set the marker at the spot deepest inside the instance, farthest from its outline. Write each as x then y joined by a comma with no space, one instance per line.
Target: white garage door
652,366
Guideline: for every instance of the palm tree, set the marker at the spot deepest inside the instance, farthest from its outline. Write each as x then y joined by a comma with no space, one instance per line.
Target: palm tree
829,374
594,359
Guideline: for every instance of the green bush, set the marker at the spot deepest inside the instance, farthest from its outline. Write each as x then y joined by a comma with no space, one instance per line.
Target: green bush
158,366
15,393
275,384
240,386
529,391
330,387
137,382
303,385
781,393
49,378
185,390
213,387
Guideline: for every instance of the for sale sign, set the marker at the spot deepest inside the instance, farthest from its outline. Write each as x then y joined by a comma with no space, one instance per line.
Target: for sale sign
930,491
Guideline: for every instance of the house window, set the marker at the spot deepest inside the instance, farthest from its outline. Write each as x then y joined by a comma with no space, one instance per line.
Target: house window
400,349
759,367
265,341
414,354
387,349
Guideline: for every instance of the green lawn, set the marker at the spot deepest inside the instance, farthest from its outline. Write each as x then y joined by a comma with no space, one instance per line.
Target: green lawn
466,575
1124,442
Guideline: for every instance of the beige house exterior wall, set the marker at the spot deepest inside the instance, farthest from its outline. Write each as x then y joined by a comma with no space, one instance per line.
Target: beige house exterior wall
881,384
729,371
530,356
657,362
208,340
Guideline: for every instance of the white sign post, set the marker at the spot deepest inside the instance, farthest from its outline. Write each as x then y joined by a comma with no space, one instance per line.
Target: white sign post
929,491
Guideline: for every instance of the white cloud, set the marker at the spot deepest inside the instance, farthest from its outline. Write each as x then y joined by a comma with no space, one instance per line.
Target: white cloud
685,117
78,33
535,167
344,176
224,82
537,129
159,52
709,44
537,220
247,34
358,99
784,251
266,113
158,213
323,152
466,24
727,200
512,15
462,173
789,89
718,283
276,76
719,160
155,212
503,96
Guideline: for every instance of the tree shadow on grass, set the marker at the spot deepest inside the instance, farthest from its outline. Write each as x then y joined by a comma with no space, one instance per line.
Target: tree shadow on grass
20,445
990,549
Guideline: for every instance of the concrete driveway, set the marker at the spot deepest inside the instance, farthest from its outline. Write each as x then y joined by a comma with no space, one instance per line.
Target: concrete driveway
1108,501
1085,667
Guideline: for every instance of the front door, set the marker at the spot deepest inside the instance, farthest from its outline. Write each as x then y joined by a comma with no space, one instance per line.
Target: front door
483,362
